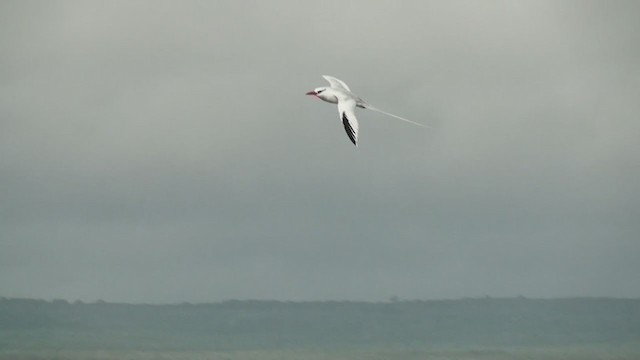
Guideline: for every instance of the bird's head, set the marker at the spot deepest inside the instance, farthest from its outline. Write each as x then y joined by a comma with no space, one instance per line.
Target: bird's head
317,91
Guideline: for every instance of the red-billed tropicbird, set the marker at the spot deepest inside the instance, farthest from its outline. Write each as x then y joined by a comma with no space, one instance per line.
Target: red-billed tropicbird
339,93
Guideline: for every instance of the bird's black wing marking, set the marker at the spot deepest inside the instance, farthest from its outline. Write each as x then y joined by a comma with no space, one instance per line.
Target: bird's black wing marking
348,128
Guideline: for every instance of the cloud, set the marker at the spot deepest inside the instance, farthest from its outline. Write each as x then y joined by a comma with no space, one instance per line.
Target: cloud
164,152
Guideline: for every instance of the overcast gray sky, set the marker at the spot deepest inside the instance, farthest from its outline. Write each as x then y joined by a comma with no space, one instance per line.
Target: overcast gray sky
164,151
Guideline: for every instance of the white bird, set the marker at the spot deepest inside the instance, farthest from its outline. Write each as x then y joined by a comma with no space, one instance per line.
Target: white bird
339,93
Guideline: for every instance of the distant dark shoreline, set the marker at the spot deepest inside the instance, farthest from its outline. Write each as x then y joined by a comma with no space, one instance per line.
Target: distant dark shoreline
261,324
276,301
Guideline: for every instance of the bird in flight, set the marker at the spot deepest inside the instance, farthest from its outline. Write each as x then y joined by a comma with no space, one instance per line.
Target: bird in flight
339,93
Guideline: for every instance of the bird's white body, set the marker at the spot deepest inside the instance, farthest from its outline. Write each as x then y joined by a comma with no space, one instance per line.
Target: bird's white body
339,93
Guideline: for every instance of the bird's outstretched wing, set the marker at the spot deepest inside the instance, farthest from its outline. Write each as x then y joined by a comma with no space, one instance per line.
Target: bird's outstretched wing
347,115
336,82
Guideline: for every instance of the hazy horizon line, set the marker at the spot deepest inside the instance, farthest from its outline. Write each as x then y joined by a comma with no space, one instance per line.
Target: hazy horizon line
391,300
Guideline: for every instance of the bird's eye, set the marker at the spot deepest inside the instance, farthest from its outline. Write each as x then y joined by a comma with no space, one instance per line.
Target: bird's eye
319,91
